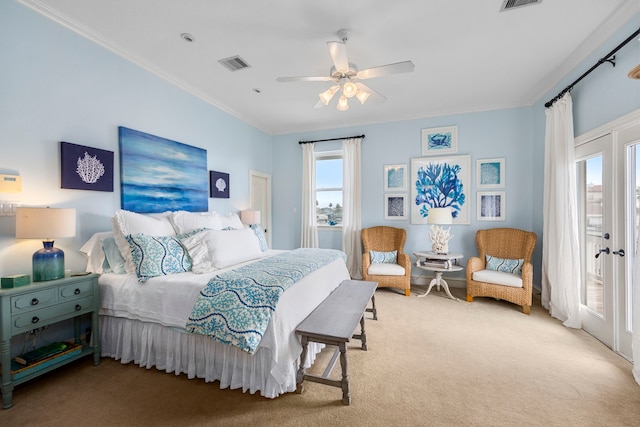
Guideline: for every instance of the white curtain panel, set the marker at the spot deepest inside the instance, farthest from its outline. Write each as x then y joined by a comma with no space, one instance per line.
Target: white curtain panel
635,340
309,231
560,244
351,214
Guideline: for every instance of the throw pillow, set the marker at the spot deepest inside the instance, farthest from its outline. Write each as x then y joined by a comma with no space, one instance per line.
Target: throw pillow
157,255
513,266
390,257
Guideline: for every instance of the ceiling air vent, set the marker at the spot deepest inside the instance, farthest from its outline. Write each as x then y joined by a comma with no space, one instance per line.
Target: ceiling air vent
512,4
234,63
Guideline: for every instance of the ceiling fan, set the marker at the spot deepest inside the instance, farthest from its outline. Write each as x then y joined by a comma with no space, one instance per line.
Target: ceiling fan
345,75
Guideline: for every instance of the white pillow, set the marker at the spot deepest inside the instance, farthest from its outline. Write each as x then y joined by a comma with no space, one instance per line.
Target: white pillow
231,220
184,221
126,222
211,249
94,252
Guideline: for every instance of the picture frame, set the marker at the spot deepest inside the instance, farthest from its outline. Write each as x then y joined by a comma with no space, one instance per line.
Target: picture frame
159,174
439,141
219,185
85,168
395,206
490,173
441,182
395,177
491,206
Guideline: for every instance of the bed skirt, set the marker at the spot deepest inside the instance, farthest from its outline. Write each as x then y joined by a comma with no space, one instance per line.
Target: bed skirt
172,350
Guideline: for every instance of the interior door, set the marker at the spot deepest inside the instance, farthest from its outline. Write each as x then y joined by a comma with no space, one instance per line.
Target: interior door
260,199
598,239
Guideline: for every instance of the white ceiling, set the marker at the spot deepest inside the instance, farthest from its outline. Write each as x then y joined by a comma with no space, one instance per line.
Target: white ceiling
468,55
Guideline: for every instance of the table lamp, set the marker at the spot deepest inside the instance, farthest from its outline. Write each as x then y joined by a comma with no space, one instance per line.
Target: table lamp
250,217
46,224
439,236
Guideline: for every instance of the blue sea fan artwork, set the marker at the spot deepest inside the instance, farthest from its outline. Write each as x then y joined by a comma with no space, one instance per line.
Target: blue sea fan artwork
437,186
439,140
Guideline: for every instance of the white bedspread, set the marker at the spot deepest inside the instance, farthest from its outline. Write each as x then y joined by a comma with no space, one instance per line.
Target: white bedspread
168,301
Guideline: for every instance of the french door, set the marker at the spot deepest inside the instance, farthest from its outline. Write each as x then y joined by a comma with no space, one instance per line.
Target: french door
608,178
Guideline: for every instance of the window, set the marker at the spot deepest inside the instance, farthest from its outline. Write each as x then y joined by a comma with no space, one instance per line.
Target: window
329,188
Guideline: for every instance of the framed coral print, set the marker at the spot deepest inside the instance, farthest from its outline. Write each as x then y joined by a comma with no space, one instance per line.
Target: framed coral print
490,173
85,168
438,182
395,206
439,141
491,206
218,185
395,177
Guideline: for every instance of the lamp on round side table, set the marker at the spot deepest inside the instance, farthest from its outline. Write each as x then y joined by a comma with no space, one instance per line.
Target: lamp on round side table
46,224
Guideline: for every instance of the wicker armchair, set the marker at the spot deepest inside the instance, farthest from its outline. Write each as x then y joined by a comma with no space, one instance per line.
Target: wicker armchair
386,239
505,243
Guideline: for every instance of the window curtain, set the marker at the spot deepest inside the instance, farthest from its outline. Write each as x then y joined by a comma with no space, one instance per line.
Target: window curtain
351,213
309,231
560,245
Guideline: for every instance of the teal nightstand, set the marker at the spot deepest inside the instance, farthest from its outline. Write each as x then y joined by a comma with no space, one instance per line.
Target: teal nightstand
40,304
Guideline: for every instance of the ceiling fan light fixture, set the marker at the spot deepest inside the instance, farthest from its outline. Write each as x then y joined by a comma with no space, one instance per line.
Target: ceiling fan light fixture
343,104
328,94
362,96
349,89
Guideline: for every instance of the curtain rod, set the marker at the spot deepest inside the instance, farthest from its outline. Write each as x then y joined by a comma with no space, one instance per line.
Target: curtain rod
607,58
331,139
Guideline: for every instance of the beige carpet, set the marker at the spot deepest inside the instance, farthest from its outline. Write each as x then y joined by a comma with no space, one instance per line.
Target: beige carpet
431,362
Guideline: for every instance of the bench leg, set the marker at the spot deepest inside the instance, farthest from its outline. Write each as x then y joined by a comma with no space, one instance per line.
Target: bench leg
301,370
346,393
373,309
363,335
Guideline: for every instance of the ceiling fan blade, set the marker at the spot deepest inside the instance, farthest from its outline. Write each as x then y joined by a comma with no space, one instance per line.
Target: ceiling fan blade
318,104
375,97
338,52
303,79
385,70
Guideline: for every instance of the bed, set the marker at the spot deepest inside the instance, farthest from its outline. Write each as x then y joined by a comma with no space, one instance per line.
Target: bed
143,316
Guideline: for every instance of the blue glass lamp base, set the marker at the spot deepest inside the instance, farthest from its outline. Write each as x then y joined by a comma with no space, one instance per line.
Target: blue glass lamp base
48,263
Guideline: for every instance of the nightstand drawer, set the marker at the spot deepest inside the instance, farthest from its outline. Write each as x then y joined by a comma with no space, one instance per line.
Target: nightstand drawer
78,290
27,321
33,300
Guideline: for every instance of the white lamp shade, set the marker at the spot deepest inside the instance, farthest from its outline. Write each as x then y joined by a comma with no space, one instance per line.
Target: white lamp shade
439,216
250,217
45,223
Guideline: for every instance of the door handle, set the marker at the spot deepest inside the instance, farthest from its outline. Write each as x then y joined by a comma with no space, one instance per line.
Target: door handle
605,250
620,252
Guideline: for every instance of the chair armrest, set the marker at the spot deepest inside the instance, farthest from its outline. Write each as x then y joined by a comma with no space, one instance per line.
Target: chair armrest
405,261
474,264
527,276
366,262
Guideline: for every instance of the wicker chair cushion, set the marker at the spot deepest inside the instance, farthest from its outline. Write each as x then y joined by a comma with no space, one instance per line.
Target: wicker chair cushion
385,269
513,266
390,257
498,278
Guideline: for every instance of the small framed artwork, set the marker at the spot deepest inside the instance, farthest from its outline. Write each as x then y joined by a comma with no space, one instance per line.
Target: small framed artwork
490,173
491,206
395,177
395,206
438,141
85,168
218,185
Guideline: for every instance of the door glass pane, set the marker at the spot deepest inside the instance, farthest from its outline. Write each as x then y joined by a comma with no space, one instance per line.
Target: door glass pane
593,294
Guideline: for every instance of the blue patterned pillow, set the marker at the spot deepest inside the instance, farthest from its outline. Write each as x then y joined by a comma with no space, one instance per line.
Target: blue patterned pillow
262,239
383,257
157,255
513,266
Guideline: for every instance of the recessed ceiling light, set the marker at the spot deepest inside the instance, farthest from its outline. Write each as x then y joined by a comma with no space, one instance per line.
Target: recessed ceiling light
187,37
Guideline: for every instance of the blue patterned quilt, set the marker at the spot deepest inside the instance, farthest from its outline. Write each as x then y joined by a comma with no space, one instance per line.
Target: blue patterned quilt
235,307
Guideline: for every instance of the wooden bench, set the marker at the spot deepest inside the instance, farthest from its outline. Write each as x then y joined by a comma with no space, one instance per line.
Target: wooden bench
333,322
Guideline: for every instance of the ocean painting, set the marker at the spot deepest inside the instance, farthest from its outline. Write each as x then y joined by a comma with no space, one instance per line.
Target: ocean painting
437,141
158,174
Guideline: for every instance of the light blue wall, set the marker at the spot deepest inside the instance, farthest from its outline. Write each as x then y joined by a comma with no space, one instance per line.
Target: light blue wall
58,86
502,133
